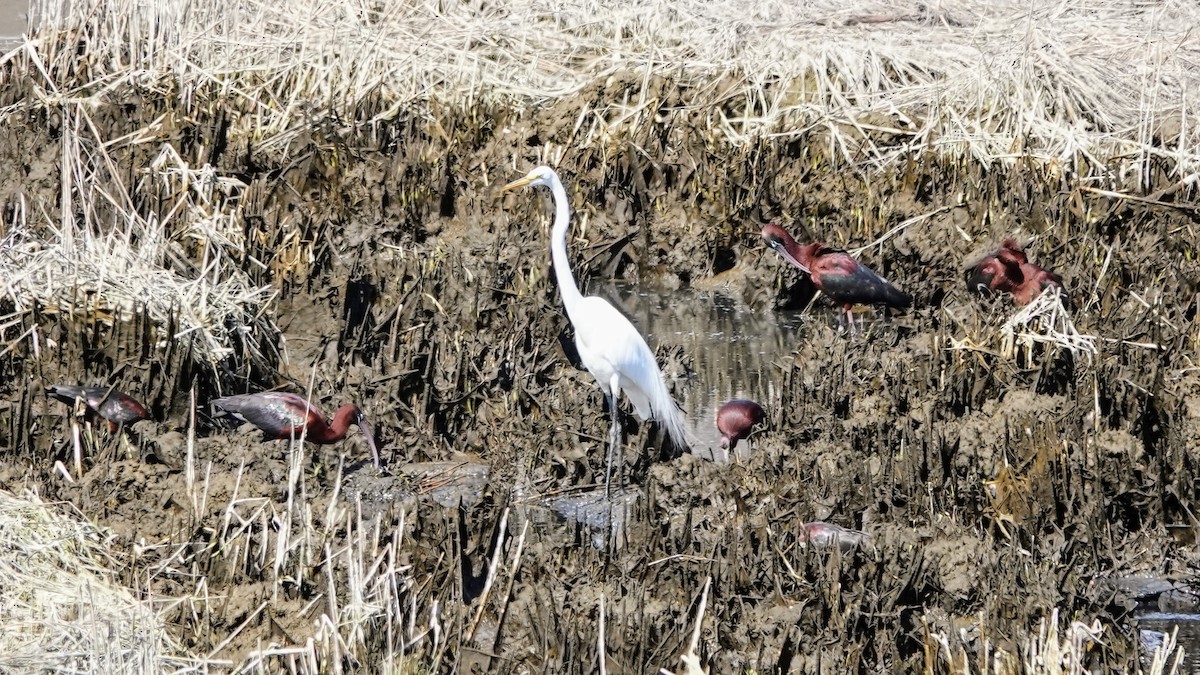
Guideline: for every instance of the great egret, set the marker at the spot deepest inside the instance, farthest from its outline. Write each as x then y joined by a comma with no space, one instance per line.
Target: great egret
282,415
610,347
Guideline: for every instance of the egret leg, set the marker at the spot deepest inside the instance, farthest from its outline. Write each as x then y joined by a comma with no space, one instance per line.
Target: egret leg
614,439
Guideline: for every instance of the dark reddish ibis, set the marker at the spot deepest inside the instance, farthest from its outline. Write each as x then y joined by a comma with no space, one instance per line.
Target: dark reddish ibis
1008,270
113,406
998,272
835,273
828,535
281,415
735,420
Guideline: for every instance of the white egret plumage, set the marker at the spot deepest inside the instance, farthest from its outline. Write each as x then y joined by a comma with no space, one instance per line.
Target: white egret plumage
610,347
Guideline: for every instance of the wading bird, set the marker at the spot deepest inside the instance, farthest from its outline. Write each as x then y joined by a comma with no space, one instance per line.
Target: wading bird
735,420
835,273
282,416
997,272
1008,270
610,347
113,406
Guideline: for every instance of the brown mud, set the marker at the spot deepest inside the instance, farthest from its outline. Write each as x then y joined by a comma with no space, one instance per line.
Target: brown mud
994,493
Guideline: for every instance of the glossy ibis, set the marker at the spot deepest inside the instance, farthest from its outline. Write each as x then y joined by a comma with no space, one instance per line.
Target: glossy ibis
736,419
281,415
112,405
836,273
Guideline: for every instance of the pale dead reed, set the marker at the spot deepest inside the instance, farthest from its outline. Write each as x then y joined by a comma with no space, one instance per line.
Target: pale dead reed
1057,648
1103,87
61,603
103,260
1044,321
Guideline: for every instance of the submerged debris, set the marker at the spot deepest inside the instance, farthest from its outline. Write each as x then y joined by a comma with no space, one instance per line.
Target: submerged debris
607,516
828,535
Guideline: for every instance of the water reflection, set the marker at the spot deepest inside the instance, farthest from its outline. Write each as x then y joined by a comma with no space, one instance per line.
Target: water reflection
1155,625
735,352
606,516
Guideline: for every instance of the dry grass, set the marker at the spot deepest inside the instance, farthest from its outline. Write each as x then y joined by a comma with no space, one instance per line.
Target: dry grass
365,603
1044,321
1053,650
102,260
61,604
1095,88
1098,86
65,611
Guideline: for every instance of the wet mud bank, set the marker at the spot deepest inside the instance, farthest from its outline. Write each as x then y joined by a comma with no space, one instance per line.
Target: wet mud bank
996,487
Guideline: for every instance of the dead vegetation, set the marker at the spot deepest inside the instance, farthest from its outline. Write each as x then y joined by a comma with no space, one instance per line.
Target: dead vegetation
212,199
64,601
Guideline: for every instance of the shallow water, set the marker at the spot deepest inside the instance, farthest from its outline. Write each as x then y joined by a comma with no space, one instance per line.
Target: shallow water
739,353
14,17
1154,624
734,352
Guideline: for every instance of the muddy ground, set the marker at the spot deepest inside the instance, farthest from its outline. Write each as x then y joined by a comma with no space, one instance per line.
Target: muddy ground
995,491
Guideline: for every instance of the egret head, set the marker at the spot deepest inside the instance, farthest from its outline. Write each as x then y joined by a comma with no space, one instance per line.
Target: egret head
543,175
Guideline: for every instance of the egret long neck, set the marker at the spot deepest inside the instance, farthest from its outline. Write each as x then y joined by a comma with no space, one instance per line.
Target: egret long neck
558,248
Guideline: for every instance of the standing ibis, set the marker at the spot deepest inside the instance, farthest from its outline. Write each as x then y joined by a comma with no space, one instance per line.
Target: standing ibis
736,419
835,273
114,406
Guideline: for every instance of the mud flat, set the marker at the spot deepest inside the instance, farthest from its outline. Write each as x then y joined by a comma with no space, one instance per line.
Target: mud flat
200,204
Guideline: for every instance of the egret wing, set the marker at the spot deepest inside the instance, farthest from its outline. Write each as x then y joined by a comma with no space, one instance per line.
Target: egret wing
609,343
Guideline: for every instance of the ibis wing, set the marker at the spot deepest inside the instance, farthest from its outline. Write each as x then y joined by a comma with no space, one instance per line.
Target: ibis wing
863,287
273,412
67,393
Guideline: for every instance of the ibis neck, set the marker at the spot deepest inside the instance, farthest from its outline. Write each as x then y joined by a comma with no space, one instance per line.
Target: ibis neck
802,253
335,431
558,248
342,419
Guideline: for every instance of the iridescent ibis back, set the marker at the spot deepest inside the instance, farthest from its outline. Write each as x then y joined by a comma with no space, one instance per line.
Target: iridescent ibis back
1008,270
836,272
114,406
